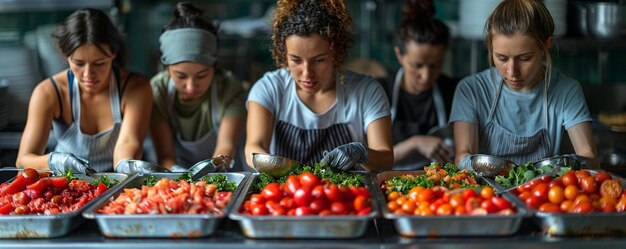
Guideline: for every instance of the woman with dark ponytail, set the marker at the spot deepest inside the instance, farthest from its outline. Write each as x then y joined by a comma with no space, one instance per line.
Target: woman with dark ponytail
420,96
98,110
198,108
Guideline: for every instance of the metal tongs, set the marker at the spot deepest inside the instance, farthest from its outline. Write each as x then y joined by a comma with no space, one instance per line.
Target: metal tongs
206,166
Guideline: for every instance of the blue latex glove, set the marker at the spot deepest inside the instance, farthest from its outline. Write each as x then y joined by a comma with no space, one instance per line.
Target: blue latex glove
130,166
178,168
61,162
345,156
466,163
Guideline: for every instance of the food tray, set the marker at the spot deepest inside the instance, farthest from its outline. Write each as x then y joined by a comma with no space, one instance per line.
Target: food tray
465,225
582,224
161,225
50,226
313,226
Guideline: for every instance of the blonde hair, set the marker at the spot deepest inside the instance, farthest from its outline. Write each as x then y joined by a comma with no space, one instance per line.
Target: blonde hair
528,17
328,18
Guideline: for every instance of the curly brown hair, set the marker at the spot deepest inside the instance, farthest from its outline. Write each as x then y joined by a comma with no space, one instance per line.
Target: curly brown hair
328,18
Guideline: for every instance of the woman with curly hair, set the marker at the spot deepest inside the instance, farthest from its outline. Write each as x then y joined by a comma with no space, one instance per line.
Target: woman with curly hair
312,109
420,96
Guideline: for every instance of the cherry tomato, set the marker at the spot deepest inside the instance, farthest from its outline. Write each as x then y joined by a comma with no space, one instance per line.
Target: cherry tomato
293,184
525,195
489,206
500,203
408,207
259,209
318,192
333,193
468,193
272,192
582,207
621,205
362,202
588,184
303,197
393,196
569,178
580,174
444,209
302,211
308,179
571,191
287,203
426,195
566,205
486,193
471,204
541,191
611,188
457,201
556,195
556,182
602,176
549,208
392,206
257,199
318,205
338,207
534,201
30,175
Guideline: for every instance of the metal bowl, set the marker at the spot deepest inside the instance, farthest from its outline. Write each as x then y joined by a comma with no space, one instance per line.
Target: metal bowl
606,20
273,165
562,161
489,166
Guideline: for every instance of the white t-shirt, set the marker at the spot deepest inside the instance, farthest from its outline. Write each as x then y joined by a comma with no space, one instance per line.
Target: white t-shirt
301,134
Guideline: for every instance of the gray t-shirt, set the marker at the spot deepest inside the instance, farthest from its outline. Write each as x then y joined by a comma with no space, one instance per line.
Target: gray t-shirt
360,101
521,112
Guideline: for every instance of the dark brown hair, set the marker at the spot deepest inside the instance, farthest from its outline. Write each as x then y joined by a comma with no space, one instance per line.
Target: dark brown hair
328,18
90,26
419,25
187,15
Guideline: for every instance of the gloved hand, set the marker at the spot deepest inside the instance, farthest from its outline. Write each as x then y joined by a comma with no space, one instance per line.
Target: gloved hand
61,162
178,168
466,163
129,166
345,156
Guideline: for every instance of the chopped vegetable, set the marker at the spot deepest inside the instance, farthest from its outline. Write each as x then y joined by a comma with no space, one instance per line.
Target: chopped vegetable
221,182
521,174
104,179
339,178
150,181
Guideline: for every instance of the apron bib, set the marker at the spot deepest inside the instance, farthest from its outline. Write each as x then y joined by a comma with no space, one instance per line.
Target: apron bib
97,148
417,160
496,140
308,146
190,152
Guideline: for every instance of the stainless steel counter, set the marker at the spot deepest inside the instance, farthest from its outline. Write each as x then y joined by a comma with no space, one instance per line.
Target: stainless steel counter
380,234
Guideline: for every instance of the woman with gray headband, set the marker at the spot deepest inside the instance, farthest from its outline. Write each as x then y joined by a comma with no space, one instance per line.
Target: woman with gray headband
198,110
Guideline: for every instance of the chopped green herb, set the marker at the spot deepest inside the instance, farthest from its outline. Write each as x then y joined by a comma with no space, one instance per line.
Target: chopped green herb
150,181
105,180
221,182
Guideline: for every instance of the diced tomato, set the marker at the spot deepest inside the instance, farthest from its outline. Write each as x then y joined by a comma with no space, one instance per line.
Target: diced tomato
59,182
40,185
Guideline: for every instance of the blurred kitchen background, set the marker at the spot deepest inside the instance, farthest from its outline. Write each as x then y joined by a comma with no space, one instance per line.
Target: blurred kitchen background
590,47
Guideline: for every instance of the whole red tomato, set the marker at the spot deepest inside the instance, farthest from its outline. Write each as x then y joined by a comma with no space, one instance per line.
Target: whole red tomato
293,184
333,193
569,178
338,207
308,179
303,197
272,192
361,202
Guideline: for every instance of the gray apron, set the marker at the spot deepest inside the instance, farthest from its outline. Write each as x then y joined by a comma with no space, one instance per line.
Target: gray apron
308,146
97,148
496,140
418,160
190,152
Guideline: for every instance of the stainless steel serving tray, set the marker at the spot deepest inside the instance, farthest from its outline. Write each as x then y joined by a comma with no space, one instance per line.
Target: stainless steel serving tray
314,226
50,226
464,225
581,224
161,225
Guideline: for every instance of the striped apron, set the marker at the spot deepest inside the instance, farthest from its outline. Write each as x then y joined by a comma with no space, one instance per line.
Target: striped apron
308,146
96,148
496,140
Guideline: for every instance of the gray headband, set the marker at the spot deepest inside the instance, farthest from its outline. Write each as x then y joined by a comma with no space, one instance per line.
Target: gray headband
188,44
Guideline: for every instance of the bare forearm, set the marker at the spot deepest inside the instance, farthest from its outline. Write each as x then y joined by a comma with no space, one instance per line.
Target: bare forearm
379,160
